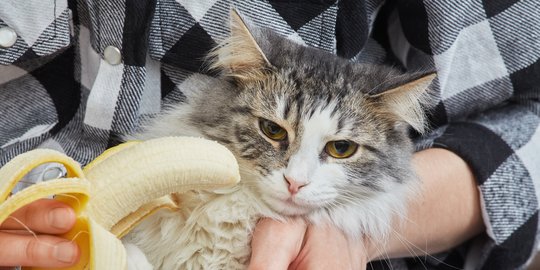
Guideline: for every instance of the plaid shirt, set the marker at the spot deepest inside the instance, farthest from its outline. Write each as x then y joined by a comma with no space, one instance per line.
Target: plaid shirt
63,86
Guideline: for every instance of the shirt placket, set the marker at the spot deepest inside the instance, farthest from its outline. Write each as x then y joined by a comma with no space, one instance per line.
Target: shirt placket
115,95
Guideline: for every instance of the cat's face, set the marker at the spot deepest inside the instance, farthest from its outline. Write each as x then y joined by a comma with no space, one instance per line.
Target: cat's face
308,146
306,127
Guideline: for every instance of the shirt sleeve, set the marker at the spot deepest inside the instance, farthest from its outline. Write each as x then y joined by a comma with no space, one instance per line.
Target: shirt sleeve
488,88
501,146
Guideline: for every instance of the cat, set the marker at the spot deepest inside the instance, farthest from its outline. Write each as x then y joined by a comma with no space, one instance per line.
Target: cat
315,136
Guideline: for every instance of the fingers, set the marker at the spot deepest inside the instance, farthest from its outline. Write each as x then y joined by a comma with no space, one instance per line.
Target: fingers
43,216
43,251
326,247
275,244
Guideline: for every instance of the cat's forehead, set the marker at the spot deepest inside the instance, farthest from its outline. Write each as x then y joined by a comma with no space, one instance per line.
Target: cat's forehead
312,107
295,93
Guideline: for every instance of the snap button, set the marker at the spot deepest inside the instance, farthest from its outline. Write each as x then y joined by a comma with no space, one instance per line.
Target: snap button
7,37
112,55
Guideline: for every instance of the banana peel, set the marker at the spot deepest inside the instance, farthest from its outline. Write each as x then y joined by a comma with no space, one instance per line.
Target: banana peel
119,188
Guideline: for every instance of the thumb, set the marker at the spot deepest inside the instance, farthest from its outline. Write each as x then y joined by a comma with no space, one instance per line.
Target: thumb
276,244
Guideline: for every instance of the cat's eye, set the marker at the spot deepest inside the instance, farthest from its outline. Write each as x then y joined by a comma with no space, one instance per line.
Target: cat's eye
341,149
272,130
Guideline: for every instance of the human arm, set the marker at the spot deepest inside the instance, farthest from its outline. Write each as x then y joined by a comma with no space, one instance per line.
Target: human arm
444,214
47,218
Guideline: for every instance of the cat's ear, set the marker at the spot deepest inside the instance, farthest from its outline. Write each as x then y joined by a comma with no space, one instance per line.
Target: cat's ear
240,56
409,101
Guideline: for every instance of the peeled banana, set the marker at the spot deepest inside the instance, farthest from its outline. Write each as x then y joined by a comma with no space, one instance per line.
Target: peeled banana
119,188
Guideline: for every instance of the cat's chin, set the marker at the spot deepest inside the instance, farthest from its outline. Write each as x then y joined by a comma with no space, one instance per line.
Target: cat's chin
287,207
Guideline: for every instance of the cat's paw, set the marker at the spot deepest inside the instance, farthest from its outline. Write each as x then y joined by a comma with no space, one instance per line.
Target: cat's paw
136,260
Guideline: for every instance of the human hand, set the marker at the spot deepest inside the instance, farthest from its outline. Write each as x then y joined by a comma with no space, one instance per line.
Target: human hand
296,245
47,218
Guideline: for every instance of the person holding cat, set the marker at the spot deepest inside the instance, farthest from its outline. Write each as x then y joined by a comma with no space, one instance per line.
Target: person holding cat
90,72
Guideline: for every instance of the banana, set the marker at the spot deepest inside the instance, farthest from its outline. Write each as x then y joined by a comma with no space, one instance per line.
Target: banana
119,188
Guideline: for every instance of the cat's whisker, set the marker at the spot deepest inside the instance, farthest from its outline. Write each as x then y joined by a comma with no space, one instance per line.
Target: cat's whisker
386,79
385,258
406,243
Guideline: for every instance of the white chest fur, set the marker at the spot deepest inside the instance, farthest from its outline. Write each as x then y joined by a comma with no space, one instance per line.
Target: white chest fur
211,231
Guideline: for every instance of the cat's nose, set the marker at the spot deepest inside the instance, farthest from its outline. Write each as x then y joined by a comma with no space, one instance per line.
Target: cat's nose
294,186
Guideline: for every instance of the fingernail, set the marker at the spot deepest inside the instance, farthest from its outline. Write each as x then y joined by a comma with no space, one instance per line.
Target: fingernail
58,218
65,252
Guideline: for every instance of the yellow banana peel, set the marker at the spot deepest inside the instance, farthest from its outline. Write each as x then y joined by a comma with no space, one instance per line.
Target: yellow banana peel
119,188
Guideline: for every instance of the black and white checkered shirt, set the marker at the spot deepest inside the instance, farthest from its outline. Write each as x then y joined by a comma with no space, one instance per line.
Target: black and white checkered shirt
76,74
